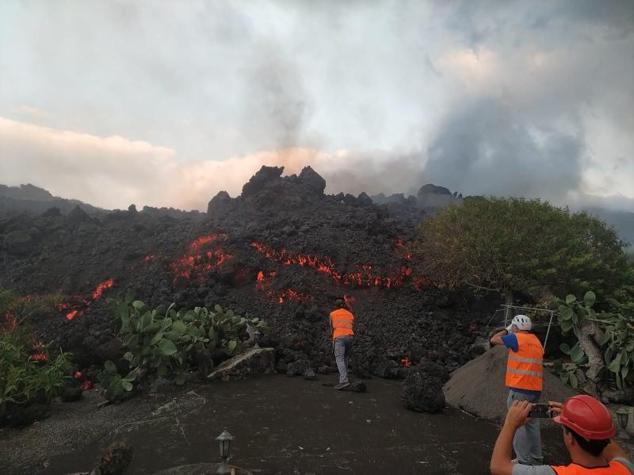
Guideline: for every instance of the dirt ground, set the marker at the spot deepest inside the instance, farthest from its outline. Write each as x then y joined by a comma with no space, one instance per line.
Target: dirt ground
281,425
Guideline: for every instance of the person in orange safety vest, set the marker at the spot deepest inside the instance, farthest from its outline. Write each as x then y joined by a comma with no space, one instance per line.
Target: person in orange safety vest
587,432
341,326
524,378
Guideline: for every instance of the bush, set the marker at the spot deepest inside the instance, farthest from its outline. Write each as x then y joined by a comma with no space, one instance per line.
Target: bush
116,387
15,308
27,379
604,340
522,246
168,343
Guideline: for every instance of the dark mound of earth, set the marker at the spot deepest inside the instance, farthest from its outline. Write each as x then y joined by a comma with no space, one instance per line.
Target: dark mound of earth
283,251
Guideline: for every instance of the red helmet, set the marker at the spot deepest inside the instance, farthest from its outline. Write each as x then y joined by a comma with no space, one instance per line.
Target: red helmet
587,417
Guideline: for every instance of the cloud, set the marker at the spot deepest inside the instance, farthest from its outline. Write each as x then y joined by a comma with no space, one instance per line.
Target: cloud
484,148
113,172
491,97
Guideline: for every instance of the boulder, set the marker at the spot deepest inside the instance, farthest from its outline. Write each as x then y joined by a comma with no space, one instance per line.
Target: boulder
422,389
478,386
220,205
297,368
387,368
312,180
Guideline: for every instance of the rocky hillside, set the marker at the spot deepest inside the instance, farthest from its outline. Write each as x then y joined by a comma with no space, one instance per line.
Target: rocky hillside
283,250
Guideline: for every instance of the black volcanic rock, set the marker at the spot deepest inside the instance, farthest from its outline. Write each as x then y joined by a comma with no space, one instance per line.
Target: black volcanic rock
32,199
18,242
363,199
312,180
433,189
288,251
422,389
25,192
53,212
220,205
265,176
78,215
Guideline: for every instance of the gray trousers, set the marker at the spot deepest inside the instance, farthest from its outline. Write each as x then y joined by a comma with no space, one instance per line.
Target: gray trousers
527,442
342,346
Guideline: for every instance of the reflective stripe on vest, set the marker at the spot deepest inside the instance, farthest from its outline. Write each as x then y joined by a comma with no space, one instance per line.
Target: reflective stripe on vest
614,468
524,368
537,374
342,321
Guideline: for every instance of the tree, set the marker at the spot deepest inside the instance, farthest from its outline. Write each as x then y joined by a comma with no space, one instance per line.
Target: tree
511,245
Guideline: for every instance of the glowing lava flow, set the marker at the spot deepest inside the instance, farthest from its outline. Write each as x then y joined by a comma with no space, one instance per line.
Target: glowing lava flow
77,308
364,277
197,261
263,283
101,288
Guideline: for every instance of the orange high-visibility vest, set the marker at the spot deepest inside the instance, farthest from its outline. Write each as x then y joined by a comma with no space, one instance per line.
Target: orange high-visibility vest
614,468
342,321
524,368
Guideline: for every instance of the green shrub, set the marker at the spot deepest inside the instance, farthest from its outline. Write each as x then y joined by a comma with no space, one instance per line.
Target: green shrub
604,339
24,379
116,387
165,341
23,308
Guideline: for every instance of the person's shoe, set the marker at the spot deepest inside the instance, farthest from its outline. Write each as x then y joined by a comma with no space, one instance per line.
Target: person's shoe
341,386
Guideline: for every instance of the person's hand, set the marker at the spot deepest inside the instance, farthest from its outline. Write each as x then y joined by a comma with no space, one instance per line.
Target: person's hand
497,331
518,413
555,408
612,451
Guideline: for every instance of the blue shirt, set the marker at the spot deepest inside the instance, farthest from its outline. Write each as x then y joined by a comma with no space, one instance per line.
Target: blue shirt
510,342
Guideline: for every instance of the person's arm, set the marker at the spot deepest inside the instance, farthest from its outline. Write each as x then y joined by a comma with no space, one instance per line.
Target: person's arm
501,463
496,339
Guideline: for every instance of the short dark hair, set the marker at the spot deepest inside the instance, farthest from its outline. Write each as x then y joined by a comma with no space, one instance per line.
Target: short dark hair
593,447
339,303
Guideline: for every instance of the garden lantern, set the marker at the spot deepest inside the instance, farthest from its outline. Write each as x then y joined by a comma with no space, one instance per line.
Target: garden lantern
224,443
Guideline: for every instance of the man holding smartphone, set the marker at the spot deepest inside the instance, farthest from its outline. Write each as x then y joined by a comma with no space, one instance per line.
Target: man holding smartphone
588,430
524,378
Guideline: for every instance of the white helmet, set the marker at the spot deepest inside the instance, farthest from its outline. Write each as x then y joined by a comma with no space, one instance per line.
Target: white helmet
521,322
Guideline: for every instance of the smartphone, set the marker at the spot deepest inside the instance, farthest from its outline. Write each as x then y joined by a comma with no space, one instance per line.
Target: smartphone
540,411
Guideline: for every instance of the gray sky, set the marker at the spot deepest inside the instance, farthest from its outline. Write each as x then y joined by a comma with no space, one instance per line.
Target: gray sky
167,102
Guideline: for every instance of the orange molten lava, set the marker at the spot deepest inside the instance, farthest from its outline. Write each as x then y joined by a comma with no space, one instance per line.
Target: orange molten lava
72,314
101,288
78,306
197,261
363,277
263,283
403,249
